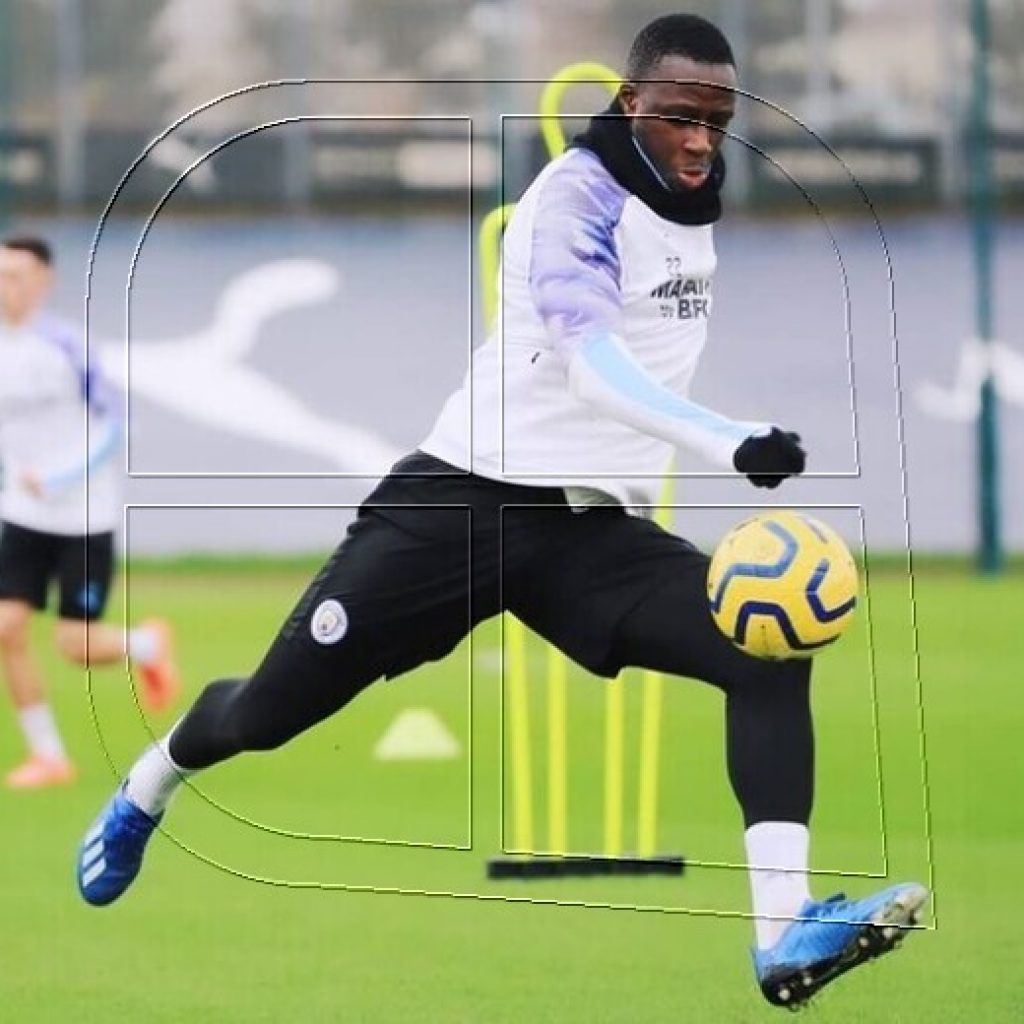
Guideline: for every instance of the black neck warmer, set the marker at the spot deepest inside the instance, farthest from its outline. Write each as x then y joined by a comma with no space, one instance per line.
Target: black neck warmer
610,136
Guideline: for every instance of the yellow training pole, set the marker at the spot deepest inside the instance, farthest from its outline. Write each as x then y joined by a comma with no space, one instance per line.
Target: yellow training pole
519,731
516,675
650,728
650,739
554,93
490,258
558,807
550,109
515,633
614,757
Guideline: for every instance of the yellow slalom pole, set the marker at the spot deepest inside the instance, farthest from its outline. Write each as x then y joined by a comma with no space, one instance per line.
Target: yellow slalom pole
614,758
558,805
519,731
650,728
554,93
490,258
650,740
550,109
516,674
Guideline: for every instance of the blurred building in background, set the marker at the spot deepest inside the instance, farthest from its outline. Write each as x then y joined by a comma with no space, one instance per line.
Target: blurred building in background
87,83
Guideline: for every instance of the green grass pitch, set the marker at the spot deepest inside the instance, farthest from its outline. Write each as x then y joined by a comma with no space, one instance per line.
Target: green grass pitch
197,940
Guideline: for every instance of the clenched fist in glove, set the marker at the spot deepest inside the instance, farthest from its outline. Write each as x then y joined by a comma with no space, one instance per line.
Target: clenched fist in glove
767,459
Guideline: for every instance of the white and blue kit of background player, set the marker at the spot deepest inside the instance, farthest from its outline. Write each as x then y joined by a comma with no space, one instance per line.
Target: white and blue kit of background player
50,403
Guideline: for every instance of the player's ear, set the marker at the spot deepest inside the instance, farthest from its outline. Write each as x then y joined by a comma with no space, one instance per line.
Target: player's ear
628,98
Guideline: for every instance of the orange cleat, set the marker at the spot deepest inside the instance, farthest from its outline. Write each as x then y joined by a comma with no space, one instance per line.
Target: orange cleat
40,771
160,683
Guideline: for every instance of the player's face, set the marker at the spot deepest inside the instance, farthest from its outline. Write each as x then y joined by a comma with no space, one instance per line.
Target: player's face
24,282
679,114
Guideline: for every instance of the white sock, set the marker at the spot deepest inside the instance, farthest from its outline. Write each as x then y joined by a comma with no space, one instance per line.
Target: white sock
41,732
154,778
777,855
143,645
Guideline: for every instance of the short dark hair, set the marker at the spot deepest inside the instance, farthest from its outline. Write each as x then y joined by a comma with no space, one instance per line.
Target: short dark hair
39,247
681,35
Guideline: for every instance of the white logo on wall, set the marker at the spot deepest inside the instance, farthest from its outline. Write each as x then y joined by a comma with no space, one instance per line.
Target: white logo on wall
962,401
204,377
329,623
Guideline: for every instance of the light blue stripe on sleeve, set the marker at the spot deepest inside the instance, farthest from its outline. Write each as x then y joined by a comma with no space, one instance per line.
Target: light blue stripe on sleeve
606,358
101,453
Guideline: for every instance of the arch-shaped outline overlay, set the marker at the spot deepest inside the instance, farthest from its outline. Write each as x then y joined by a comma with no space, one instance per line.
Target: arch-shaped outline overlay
287,833
275,83
484,897
900,425
190,783
897,382
144,234
510,849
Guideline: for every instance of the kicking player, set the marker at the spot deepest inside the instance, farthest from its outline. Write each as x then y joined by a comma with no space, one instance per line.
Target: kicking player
45,536
577,403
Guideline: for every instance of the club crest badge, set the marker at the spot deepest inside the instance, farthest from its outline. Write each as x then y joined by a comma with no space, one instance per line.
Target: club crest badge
329,623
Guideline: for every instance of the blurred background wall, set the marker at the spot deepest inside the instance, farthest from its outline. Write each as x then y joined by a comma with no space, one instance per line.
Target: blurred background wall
90,82
373,187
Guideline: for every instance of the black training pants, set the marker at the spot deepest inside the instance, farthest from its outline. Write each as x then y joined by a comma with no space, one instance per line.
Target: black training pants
432,554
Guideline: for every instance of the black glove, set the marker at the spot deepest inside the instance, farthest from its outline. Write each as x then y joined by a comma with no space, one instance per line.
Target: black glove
766,461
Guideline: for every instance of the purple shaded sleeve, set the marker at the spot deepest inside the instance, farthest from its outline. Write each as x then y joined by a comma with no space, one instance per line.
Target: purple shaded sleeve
96,389
574,265
98,394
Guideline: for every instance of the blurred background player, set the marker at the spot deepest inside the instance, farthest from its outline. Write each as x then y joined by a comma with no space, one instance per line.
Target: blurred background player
47,538
596,382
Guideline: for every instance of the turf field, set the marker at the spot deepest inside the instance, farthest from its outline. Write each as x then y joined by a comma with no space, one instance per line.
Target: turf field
200,939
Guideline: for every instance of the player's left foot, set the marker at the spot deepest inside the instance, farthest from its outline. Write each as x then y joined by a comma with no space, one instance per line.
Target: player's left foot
39,772
830,938
110,856
160,683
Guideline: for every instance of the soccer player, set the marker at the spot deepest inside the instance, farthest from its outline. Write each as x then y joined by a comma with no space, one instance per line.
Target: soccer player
577,401
46,539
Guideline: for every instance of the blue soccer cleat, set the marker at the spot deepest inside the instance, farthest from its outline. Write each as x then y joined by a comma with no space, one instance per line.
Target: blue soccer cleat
111,852
828,939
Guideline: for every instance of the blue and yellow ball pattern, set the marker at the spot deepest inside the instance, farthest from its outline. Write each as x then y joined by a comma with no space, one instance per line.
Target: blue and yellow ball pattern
782,585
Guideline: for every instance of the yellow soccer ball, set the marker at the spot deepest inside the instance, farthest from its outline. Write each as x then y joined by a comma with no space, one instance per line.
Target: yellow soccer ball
782,585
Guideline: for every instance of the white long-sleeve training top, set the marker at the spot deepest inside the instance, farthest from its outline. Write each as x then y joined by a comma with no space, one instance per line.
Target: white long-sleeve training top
584,381
46,395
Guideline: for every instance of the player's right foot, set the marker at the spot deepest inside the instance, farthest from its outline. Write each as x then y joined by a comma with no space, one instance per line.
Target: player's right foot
38,772
111,852
160,683
830,938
